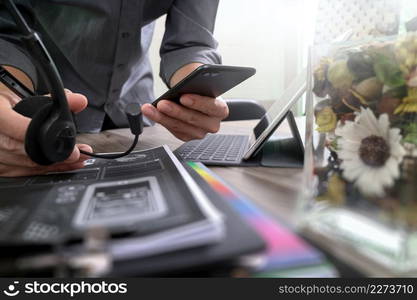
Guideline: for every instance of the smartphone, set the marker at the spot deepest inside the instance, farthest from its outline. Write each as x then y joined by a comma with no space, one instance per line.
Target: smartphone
208,80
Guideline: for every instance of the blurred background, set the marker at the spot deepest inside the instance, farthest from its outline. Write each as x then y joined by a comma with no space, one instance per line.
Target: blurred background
274,35
270,36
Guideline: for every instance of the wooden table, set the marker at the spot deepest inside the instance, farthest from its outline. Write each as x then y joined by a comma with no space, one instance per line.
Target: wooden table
274,189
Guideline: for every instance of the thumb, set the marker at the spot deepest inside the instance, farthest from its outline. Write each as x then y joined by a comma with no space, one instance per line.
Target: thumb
76,102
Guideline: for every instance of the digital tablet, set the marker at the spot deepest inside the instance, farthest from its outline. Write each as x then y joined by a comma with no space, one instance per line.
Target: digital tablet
276,114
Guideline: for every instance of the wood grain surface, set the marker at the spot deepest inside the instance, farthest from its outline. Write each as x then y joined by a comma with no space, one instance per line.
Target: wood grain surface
274,189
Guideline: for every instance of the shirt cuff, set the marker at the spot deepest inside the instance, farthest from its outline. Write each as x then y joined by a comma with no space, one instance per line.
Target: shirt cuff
11,55
172,61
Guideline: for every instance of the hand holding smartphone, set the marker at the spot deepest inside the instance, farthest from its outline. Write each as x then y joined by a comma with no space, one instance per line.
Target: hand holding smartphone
208,80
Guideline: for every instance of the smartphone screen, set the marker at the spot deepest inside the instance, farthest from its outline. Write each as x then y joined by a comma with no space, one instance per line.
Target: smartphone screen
208,80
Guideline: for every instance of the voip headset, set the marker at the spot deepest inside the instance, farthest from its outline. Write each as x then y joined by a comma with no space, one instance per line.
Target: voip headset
51,135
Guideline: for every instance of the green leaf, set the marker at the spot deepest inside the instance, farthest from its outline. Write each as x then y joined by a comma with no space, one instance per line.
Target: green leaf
410,134
388,71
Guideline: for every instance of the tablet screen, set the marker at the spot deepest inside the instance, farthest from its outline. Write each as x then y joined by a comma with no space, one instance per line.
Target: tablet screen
276,113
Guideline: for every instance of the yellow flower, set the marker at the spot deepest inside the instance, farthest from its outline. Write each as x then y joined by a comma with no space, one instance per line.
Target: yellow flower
336,191
321,70
326,120
408,213
406,52
409,103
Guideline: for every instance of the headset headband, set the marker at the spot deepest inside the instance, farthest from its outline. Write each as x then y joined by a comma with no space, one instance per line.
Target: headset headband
43,61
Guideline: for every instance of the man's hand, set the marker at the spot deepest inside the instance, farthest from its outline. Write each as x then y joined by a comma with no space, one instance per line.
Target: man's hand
13,158
196,117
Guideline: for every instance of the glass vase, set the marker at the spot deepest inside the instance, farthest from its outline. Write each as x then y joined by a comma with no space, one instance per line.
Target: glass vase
360,176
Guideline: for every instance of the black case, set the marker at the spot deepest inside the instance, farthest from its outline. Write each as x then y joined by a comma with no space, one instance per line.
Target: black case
208,80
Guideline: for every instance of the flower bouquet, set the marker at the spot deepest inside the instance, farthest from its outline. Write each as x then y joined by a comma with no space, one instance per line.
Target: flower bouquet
363,158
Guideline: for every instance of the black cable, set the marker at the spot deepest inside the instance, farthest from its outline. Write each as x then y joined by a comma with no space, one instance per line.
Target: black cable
116,155
55,86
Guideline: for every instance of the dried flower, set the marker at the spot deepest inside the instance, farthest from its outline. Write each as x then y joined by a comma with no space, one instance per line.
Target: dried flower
409,103
321,70
406,52
371,152
360,65
326,120
347,117
339,75
387,70
354,101
321,85
342,106
410,134
387,105
411,149
408,213
331,142
336,191
412,80
370,88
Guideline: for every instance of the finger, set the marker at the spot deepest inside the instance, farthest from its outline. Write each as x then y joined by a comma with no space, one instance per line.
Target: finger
195,118
184,136
76,102
149,111
62,167
76,155
10,98
7,171
12,124
13,152
175,126
85,148
206,105
8,144
16,160
19,160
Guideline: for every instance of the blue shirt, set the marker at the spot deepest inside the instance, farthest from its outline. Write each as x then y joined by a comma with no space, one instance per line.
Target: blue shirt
101,48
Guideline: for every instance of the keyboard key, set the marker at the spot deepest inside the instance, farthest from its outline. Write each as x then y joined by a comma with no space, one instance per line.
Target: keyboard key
218,157
215,147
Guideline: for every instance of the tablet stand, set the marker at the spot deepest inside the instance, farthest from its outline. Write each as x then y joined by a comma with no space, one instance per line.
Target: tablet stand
282,153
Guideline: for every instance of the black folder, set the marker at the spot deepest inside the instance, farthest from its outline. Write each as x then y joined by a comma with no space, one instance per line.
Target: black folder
240,240
37,200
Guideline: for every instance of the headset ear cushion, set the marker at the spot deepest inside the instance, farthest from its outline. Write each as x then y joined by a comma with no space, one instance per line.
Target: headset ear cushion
31,105
38,108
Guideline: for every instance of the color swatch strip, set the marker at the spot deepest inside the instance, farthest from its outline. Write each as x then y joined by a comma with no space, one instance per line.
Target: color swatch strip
284,248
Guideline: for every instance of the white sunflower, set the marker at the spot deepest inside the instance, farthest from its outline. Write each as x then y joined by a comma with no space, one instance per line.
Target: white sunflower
371,152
